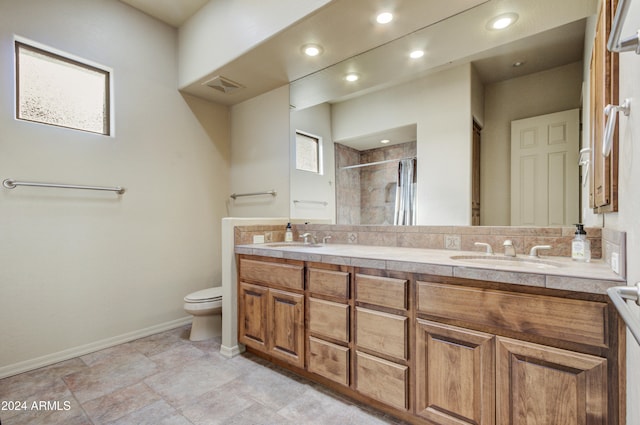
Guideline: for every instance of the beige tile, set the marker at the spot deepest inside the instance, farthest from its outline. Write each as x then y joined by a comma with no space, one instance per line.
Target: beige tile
583,285
179,386
217,406
39,381
258,414
177,355
316,407
528,279
30,392
109,376
117,404
420,240
158,413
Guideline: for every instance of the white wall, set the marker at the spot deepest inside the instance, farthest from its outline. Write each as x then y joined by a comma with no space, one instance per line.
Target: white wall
260,155
477,97
307,186
440,104
554,90
629,201
225,29
81,269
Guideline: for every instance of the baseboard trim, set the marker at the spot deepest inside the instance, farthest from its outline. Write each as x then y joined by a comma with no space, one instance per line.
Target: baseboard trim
49,359
230,352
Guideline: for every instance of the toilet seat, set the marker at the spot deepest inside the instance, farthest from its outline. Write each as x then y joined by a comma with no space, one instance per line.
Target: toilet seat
204,296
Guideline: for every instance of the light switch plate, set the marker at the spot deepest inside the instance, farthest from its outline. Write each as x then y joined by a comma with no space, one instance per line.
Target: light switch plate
258,238
615,262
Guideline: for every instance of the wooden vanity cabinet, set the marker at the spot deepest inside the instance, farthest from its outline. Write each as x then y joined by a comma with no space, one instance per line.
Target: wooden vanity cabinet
438,350
271,308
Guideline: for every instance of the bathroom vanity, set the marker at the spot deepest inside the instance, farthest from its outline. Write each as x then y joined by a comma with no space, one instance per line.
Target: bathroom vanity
436,337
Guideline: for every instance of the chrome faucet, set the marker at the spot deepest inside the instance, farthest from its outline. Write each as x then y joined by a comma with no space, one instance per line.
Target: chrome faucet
535,249
486,245
306,237
325,239
509,249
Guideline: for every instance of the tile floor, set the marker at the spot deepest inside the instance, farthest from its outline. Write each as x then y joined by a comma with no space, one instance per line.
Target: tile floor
167,379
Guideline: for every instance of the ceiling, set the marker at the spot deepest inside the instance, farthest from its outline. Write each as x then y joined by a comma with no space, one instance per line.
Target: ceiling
545,36
172,12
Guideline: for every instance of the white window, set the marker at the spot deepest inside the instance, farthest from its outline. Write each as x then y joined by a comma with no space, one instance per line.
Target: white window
56,90
308,152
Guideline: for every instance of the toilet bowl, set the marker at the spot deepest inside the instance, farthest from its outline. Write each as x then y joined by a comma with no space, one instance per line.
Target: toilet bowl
206,308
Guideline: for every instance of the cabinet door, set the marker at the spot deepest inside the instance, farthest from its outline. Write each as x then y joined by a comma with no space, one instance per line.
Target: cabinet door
539,385
454,375
286,326
252,326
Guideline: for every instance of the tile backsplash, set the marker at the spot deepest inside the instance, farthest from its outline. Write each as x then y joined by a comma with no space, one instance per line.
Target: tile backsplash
604,242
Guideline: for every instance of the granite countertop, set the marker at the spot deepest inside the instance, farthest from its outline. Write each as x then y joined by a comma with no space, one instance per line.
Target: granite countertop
547,272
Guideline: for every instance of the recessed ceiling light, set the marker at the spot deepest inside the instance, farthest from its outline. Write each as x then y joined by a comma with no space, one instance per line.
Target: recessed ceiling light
518,64
385,141
312,49
416,54
503,21
351,77
384,18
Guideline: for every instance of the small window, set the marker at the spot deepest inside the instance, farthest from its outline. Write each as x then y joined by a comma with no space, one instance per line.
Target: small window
56,90
308,152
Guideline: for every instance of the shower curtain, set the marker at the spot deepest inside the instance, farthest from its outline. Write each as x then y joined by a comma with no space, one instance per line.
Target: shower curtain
405,214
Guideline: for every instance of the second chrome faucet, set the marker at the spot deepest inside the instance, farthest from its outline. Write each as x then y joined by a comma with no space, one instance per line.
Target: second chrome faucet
510,249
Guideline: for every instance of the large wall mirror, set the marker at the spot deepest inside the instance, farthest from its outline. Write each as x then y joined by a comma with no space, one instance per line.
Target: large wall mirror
488,122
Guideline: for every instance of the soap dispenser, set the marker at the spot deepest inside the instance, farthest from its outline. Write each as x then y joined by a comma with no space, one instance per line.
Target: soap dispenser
288,234
580,246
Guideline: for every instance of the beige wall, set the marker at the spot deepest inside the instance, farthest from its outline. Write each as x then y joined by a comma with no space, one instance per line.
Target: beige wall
260,155
541,93
307,186
440,105
80,270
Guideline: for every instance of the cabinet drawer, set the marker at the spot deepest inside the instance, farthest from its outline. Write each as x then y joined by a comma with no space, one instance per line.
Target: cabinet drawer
329,282
381,332
382,291
285,275
329,360
381,379
329,319
565,319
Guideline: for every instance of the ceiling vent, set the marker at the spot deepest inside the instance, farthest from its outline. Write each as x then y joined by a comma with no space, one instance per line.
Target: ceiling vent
223,85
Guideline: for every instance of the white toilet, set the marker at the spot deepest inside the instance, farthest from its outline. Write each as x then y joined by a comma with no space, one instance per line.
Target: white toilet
206,308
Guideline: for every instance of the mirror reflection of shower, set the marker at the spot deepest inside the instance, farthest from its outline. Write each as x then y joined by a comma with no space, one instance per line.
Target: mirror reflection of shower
367,184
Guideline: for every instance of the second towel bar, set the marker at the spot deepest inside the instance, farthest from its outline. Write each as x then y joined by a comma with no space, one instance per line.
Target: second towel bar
238,195
324,203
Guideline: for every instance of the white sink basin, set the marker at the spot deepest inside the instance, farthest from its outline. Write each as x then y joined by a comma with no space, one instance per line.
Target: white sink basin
292,245
497,260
